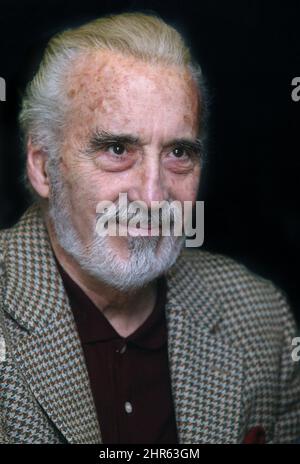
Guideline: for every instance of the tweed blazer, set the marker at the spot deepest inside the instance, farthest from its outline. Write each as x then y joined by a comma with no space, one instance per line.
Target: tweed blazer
229,348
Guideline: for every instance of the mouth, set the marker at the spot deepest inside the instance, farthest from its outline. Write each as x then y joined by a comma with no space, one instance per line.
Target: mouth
153,228
150,229
139,231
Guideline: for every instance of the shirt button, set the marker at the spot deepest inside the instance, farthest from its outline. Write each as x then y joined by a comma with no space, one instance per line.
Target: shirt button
123,349
128,407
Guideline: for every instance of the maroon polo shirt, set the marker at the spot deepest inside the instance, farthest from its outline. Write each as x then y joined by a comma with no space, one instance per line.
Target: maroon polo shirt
129,376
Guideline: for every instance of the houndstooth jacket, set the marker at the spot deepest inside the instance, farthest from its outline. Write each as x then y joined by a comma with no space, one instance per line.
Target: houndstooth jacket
229,347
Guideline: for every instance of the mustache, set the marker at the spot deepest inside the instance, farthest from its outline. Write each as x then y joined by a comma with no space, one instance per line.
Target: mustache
167,214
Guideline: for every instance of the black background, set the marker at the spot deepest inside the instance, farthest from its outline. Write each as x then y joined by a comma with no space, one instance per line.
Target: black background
249,52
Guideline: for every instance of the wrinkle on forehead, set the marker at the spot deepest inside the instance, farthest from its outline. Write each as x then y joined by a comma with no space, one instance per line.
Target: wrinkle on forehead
111,87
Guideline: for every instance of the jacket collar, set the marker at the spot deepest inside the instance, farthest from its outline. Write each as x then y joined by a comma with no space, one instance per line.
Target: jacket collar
205,371
35,295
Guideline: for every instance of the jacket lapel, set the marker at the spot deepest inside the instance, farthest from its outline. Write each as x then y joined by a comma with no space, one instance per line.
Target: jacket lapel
50,354
206,369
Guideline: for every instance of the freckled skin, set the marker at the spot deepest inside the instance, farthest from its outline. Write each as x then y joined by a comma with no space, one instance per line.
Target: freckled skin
121,94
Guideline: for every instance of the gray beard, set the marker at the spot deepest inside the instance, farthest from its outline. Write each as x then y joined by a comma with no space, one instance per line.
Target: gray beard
98,258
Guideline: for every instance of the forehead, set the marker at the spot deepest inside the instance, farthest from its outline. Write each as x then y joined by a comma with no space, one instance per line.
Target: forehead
121,93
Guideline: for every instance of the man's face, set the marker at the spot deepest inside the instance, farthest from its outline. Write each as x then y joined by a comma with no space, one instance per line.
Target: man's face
127,131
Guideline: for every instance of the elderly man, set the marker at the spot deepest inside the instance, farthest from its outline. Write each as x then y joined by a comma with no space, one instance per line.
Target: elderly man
130,338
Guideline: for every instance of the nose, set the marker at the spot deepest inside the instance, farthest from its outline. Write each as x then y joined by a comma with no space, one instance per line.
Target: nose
150,184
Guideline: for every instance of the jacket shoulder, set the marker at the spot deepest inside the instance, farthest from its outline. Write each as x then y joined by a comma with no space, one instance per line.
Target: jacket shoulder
247,300
222,273
3,241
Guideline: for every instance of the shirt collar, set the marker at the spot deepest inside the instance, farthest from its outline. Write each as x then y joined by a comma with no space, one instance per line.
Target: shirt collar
93,326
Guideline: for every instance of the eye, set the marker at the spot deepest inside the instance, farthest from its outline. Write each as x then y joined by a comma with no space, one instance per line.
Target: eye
179,152
116,148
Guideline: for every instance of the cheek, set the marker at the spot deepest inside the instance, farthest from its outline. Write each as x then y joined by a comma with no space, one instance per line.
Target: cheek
88,186
185,188
83,188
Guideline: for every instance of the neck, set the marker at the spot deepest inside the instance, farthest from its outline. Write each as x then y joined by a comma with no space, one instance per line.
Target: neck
125,310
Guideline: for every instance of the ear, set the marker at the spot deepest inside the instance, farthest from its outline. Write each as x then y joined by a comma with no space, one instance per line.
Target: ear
36,169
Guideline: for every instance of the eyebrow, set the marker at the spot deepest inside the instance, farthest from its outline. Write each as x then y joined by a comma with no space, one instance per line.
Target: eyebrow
187,144
101,138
